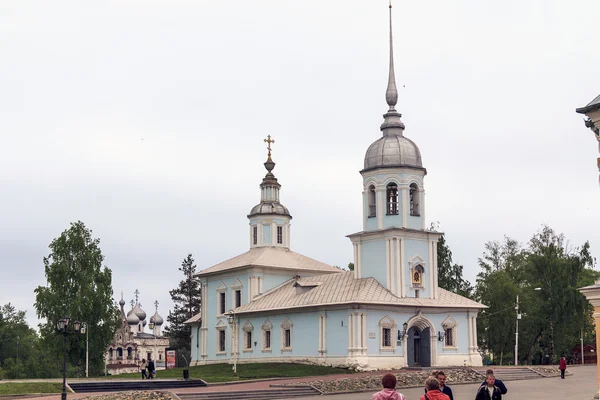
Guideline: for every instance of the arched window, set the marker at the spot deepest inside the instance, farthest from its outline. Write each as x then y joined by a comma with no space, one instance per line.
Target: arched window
414,200
119,353
372,202
129,353
387,327
392,199
110,354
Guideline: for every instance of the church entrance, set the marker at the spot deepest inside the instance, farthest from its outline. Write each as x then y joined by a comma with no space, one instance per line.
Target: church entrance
419,347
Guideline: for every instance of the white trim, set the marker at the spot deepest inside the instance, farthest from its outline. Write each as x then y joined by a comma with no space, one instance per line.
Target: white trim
355,253
435,271
286,325
402,269
381,205
323,333
387,323
267,326
359,260
388,270
248,328
365,199
397,268
221,327
423,209
221,289
404,207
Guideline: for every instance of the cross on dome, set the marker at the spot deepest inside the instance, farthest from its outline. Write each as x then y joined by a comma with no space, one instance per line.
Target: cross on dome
268,141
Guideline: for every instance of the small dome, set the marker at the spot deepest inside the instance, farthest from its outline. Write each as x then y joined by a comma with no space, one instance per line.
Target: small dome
132,318
139,312
269,208
122,302
157,319
393,151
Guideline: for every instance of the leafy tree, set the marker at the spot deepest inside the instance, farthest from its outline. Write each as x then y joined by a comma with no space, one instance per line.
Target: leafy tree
187,302
450,276
77,286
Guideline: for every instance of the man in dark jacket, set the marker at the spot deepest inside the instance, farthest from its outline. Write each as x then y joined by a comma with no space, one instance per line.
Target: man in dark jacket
441,377
489,391
497,382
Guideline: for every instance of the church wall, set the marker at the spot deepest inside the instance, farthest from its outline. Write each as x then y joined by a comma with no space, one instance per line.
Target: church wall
266,234
412,249
373,260
337,335
371,223
414,222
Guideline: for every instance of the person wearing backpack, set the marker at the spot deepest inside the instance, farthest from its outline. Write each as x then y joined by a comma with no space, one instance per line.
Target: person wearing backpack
432,386
150,369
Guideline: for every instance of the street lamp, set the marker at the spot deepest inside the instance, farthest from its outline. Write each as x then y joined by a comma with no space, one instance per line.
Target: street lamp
84,329
231,321
517,329
151,326
63,327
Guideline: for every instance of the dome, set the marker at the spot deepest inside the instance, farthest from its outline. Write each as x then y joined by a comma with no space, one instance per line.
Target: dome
139,312
132,318
122,302
157,319
393,151
269,208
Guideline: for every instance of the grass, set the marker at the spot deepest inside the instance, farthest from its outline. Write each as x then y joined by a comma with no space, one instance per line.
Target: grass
29,387
223,373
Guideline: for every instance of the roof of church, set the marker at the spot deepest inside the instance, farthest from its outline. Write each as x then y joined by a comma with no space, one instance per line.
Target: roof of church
343,288
592,105
194,319
270,257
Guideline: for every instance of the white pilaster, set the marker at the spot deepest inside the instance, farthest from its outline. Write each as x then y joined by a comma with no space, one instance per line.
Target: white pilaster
402,270
470,331
435,270
422,197
273,234
381,210
365,209
430,264
397,269
388,278
355,251
359,266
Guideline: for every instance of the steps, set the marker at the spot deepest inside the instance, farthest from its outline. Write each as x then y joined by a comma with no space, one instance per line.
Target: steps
146,384
511,374
253,394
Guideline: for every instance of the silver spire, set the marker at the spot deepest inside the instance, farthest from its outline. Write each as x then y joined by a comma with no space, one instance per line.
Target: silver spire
392,125
391,94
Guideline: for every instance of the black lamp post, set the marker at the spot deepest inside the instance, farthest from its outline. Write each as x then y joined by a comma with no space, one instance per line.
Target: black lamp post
63,327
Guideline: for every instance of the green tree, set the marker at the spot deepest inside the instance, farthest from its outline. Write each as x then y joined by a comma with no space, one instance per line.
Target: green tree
77,286
450,276
16,341
187,301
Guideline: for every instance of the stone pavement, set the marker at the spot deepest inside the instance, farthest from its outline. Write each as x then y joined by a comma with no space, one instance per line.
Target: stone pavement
581,385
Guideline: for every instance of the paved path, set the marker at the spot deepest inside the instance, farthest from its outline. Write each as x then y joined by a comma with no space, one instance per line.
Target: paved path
581,385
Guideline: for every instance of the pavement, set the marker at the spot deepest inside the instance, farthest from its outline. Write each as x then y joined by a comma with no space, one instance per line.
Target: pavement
580,385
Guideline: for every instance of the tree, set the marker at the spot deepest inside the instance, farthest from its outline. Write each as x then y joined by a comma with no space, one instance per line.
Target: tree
187,302
450,276
78,286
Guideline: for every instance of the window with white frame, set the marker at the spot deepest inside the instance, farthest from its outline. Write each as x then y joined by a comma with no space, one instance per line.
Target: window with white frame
414,200
392,199
221,340
236,293
267,329
255,235
286,335
280,235
372,197
221,301
248,329
449,327
387,327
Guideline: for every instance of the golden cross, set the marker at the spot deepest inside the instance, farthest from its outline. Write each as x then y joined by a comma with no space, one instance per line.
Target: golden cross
268,141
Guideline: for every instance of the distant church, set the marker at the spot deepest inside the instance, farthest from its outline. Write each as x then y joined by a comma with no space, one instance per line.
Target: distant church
271,304
131,344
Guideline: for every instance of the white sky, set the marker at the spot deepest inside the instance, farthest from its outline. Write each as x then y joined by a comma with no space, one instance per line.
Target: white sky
145,120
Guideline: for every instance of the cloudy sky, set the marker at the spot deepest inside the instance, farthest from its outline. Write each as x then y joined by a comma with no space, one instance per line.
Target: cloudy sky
146,119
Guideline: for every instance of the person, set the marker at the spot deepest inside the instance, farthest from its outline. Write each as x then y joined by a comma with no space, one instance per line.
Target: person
489,391
389,389
432,387
497,383
441,377
563,367
143,366
150,369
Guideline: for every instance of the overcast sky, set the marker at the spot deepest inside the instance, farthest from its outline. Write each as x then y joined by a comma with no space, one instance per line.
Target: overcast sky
145,120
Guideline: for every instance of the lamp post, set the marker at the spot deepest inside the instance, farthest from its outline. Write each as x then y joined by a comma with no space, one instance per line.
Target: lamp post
151,326
231,321
84,329
517,329
63,327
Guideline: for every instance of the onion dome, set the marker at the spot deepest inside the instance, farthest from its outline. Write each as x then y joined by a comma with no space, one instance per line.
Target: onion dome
139,312
122,302
132,318
157,319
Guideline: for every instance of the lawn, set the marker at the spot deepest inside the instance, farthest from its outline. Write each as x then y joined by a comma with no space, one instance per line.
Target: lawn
223,373
29,387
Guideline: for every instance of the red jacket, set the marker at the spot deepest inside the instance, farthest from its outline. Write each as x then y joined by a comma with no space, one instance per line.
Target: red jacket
562,364
435,395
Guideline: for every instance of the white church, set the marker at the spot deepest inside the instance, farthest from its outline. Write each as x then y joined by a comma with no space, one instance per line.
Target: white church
271,304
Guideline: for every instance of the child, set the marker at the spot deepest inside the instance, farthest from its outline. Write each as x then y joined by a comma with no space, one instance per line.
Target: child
389,389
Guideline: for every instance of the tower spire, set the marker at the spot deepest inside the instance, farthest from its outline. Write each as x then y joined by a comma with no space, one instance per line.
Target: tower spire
391,94
392,125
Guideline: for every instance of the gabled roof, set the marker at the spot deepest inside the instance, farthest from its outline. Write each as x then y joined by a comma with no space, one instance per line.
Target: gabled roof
196,318
271,257
592,105
343,288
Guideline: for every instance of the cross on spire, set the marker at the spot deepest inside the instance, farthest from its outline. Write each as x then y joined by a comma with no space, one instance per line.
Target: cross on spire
132,303
268,141
137,293
156,305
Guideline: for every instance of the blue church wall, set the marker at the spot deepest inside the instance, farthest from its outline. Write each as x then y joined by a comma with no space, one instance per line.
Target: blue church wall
419,248
393,220
414,222
371,223
266,229
337,335
271,280
373,260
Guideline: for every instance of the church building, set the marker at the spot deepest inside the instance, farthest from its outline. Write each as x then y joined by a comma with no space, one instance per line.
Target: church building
271,304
